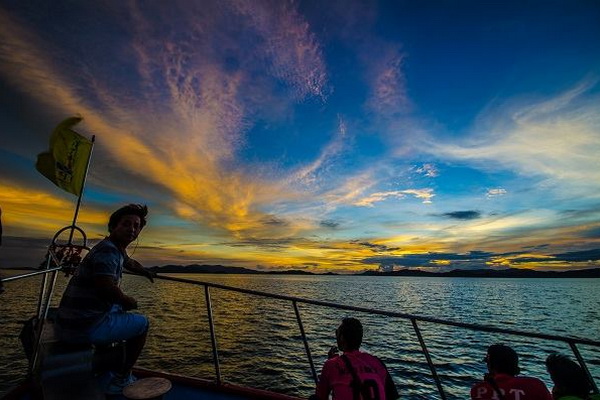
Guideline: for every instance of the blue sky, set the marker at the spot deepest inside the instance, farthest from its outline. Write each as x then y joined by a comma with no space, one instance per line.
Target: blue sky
336,136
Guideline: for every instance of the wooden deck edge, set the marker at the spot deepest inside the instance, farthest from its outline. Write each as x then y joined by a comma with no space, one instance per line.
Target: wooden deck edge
212,385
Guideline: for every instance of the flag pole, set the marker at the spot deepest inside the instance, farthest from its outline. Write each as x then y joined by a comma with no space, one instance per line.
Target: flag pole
81,191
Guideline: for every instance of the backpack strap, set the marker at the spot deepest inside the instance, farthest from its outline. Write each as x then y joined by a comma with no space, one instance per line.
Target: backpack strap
490,379
355,384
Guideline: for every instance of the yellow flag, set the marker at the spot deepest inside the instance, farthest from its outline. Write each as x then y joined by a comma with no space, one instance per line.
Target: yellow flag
66,162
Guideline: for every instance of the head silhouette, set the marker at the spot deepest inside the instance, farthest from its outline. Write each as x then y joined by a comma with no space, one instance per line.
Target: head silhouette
130,209
349,334
502,359
568,376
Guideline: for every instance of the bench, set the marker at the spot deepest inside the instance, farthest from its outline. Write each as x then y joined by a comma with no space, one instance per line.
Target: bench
65,371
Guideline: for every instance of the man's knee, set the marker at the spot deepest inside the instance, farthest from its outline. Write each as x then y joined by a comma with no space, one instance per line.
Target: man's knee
142,324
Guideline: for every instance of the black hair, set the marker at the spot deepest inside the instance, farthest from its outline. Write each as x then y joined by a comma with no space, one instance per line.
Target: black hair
352,331
568,376
139,210
503,359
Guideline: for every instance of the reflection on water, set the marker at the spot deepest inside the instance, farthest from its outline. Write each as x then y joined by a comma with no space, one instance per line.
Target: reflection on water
260,345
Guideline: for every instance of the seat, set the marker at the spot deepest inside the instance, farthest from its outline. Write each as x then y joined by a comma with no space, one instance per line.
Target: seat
65,370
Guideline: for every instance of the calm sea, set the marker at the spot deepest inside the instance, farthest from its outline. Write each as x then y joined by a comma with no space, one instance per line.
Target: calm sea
260,345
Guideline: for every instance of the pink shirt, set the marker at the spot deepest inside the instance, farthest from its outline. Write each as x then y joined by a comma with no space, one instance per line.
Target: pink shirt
513,388
370,370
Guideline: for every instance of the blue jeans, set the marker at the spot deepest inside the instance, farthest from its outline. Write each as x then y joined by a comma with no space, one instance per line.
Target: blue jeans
118,325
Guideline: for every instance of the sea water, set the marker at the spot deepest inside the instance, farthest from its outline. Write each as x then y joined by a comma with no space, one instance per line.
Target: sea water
260,345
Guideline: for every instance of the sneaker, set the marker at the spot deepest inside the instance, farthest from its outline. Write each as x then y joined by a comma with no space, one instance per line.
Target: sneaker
117,384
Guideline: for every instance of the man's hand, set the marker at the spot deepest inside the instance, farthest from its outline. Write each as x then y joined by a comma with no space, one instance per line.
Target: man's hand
129,303
148,274
332,353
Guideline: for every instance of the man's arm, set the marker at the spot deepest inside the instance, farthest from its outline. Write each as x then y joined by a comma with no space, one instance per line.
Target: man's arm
323,387
108,289
391,392
137,268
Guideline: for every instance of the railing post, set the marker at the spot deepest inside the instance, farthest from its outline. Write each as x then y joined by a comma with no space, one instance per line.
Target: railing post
429,360
43,287
39,329
42,310
306,347
584,366
213,337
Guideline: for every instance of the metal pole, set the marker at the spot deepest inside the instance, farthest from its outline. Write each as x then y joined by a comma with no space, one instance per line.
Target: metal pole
429,360
17,277
584,366
306,347
43,287
213,337
49,294
81,192
42,321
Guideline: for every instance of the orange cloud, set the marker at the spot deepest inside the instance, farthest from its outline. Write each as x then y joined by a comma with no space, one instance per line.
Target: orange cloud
34,211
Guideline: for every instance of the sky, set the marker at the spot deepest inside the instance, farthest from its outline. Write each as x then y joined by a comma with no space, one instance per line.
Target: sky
335,136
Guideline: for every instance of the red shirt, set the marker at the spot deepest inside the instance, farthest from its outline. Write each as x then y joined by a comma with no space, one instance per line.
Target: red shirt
369,369
512,387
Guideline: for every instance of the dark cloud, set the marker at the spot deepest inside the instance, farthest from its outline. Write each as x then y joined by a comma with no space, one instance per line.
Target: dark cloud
571,256
471,260
329,224
593,233
299,267
584,213
463,215
261,242
374,246
574,256
272,220
537,247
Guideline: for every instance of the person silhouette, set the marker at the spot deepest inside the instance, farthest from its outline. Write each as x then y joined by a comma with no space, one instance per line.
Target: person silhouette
354,374
570,381
93,309
502,383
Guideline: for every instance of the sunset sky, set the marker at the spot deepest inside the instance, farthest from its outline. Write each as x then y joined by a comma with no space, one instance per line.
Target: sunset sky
319,135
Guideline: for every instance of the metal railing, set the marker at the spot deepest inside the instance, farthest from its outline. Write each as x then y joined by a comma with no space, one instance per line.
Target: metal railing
46,294
414,319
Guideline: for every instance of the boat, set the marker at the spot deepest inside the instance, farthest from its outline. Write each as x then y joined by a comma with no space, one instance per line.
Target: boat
57,373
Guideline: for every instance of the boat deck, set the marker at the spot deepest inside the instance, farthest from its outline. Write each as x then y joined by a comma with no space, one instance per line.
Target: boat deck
183,388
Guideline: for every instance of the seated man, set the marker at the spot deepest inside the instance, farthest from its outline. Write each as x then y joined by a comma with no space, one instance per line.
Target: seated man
502,382
354,375
570,380
93,308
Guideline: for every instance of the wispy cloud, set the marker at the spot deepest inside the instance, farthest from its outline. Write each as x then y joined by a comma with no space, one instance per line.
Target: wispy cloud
264,128
309,174
37,212
425,194
388,84
428,170
293,50
496,192
182,139
557,138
